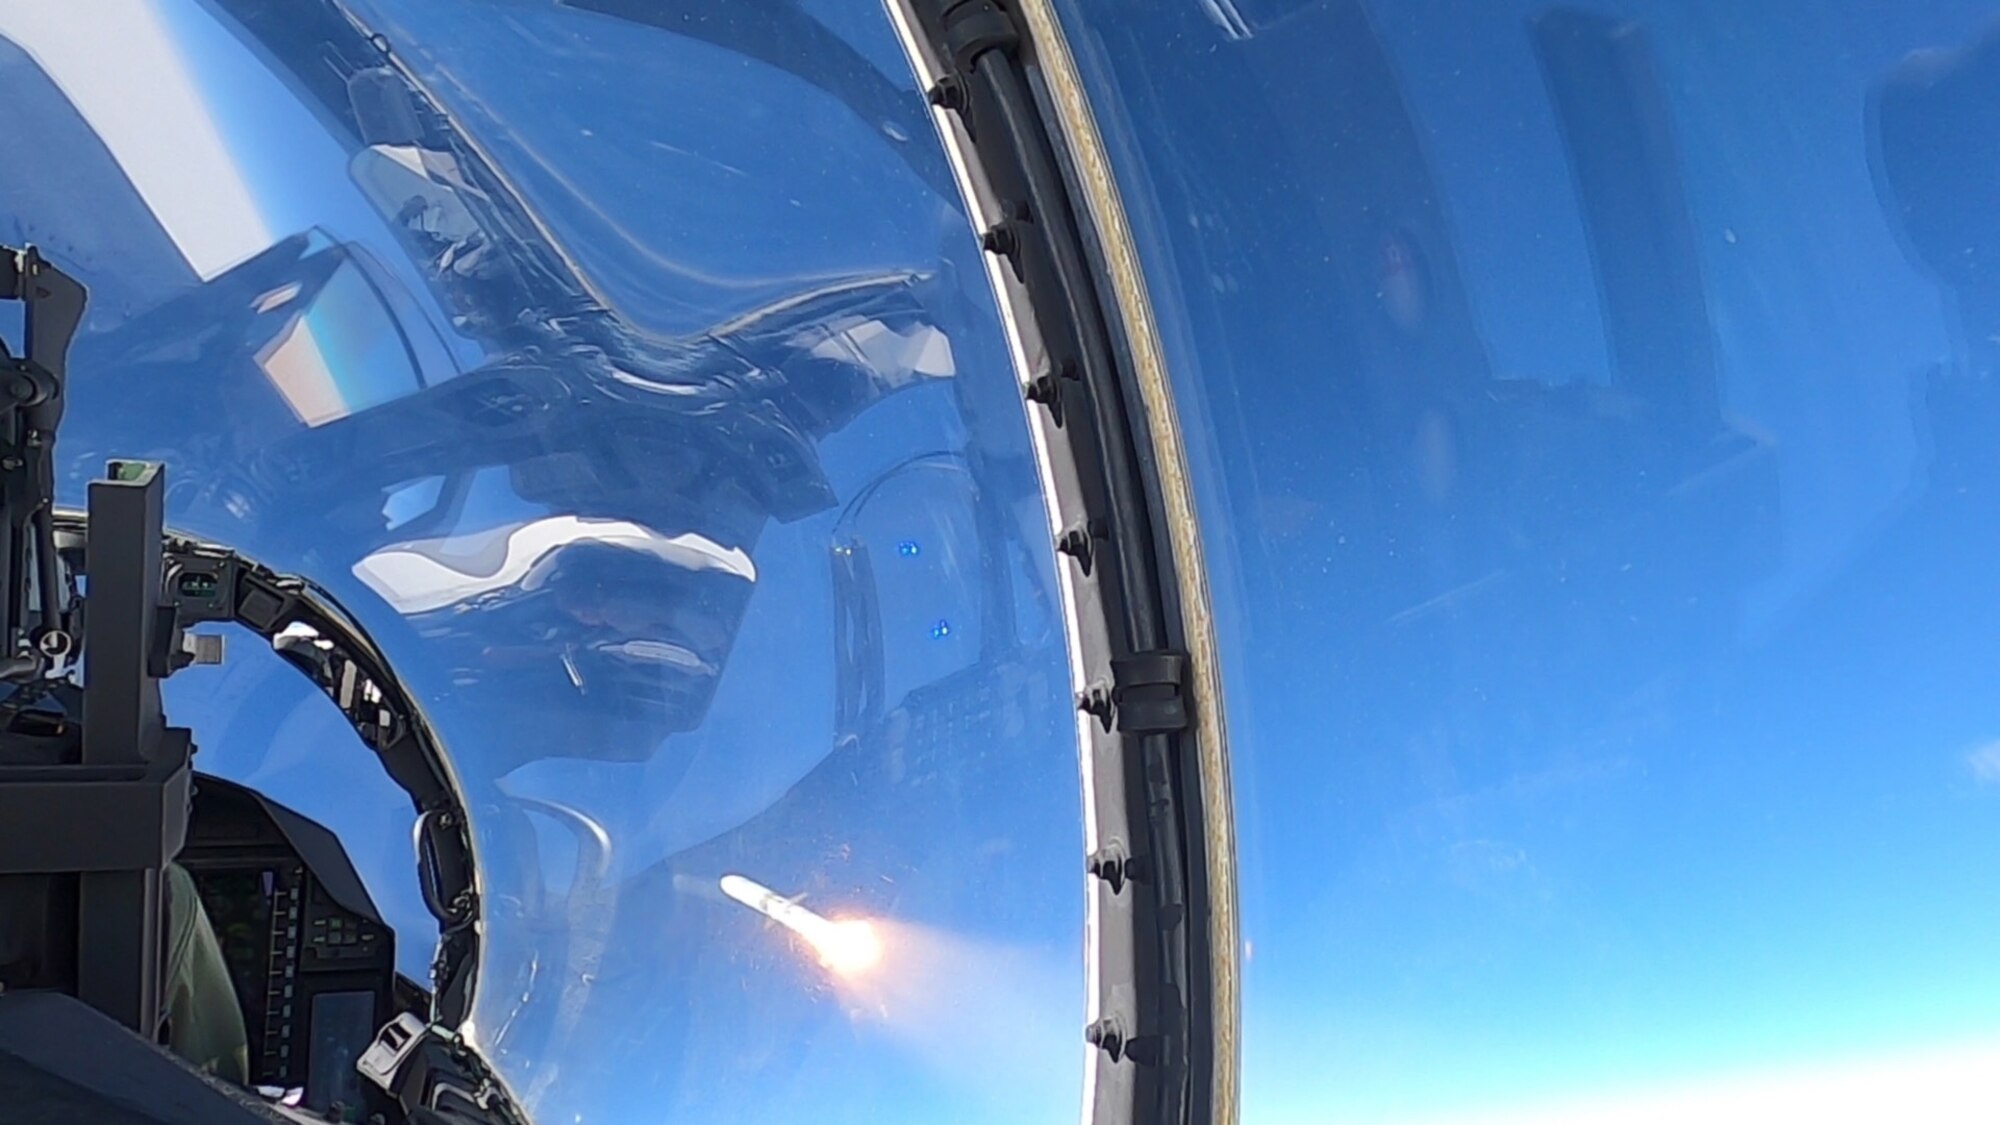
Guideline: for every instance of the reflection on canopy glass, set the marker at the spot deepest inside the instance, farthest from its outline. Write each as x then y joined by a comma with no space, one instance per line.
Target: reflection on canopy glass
469,337
339,349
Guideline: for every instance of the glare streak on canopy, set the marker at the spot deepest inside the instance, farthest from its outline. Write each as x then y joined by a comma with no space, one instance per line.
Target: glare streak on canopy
138,92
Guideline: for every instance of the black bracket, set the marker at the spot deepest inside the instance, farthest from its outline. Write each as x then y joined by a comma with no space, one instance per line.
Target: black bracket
1149,692
974,27
106,799
31,409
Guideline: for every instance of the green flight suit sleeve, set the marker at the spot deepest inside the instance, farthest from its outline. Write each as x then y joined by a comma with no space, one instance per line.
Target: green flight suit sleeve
204,1019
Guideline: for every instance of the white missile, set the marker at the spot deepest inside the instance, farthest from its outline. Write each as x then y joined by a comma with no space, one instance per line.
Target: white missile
846,947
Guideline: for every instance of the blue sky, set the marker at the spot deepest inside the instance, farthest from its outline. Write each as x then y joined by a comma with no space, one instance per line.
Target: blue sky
1559,790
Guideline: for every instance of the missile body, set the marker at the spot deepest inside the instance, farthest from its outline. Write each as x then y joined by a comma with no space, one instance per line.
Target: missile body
846,947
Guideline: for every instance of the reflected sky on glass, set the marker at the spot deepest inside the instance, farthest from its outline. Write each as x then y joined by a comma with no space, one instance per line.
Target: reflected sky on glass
673,457
1591,408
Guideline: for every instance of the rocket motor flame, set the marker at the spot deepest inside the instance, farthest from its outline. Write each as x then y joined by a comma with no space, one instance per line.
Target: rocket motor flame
990,1019
847,947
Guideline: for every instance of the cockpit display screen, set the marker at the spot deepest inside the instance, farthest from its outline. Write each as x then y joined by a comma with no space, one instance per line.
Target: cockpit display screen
239,904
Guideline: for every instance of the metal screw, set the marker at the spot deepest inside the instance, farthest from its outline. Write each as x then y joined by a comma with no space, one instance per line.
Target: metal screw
1045,391
949,93
1000,239
1111,864
1107,1036
1096,702
1076,543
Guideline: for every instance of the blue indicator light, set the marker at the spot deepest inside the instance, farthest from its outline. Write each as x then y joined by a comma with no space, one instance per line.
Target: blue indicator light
909,549
941,630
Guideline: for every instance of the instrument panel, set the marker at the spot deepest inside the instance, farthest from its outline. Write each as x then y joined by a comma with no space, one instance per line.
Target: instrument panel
309,957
